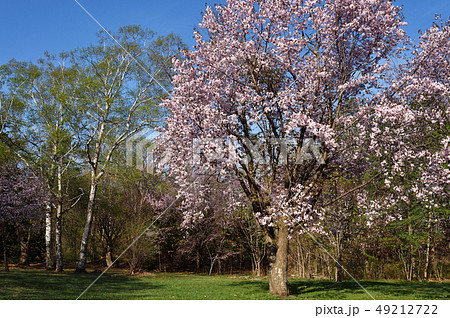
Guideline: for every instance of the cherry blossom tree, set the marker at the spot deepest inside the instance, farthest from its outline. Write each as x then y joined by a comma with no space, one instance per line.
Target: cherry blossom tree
410,133
409,136
267,76
22,197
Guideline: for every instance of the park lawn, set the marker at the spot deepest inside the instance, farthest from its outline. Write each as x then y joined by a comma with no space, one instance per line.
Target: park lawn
38,284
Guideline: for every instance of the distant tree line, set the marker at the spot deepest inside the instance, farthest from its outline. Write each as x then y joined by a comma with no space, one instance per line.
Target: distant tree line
129,200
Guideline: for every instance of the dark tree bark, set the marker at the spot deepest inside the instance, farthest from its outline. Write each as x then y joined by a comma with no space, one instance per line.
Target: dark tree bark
197,260
24,236
339,271
108,234
5,250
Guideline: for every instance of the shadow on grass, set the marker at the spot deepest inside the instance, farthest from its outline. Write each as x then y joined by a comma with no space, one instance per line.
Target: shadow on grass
319,289
69,285
323,289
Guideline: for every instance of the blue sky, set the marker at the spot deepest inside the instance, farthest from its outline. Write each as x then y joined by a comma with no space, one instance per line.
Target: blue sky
30,27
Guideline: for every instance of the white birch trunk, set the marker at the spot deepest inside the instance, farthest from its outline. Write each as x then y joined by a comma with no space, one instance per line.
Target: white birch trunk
81,267
48,238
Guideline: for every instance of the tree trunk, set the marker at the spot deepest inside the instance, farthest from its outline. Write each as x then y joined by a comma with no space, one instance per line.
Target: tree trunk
24,237
133,262
81,267
58,241
366,264
427,259
411,258
278,272
59,212
197,260
258,268
48,238
426,270
109,240
339,273
256,265
5,250
433,261
412,263
109,258
213,260
300,259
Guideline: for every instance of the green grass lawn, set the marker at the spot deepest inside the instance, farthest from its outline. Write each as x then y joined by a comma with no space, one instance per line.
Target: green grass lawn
37,284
